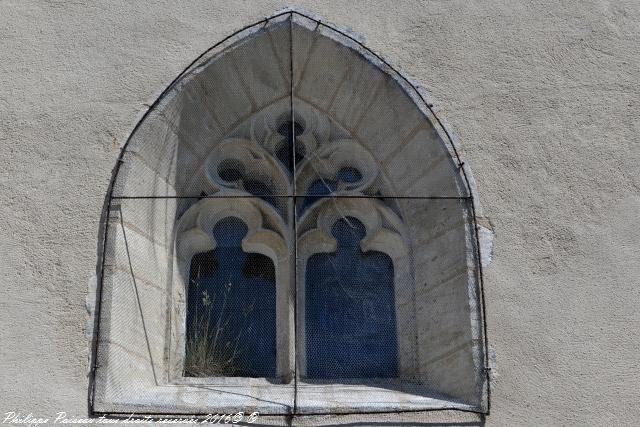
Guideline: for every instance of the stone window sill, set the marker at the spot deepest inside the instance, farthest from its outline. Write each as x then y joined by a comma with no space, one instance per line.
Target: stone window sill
196,396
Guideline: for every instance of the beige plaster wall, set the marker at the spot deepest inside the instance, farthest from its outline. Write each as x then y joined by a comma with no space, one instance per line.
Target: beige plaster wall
544,96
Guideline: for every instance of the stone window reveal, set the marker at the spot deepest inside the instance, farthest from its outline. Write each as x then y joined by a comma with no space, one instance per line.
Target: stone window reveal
290,230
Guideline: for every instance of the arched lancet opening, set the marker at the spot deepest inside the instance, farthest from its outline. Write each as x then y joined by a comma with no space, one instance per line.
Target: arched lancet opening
231,309
281,136
350,309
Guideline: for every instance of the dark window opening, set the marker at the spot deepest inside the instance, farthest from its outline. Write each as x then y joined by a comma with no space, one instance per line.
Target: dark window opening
261,190
231,309
324,187
285,153
350,310
230,170
349,174
318,190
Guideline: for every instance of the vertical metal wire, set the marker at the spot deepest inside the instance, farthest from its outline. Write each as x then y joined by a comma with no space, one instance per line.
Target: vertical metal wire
295,223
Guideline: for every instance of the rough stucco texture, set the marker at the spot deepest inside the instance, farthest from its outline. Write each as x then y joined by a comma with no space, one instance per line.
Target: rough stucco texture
544,95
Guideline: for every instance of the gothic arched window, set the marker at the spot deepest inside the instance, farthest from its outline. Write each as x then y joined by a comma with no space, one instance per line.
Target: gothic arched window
290,229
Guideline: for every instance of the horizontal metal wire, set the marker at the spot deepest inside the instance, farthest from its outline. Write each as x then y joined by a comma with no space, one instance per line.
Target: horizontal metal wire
119,415
299,196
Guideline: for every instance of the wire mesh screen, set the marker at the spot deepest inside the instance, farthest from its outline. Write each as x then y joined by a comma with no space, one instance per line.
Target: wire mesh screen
222,127
231,309
384,291
350,316
377,141
290,229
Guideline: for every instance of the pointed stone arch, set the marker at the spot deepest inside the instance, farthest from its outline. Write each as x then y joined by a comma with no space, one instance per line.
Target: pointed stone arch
216,141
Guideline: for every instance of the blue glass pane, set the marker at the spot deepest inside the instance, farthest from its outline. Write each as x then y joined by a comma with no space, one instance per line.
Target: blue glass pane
231,309
350,310
261,190
317,190
349,174
324,187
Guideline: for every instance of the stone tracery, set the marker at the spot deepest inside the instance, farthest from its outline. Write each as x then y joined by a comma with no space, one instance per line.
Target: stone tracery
237,162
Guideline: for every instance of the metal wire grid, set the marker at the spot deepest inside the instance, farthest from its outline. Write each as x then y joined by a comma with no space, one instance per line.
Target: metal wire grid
116,196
